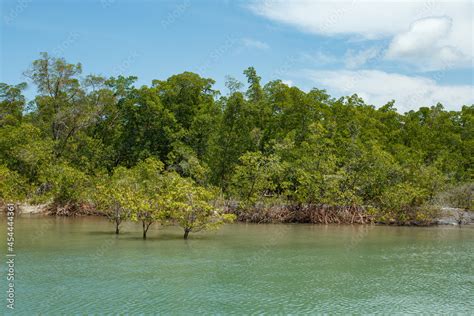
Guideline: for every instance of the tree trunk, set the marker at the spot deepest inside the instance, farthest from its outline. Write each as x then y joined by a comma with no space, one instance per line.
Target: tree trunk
117,230
144,230
186,233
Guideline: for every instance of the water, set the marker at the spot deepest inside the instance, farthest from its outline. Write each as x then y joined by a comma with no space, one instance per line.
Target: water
66,265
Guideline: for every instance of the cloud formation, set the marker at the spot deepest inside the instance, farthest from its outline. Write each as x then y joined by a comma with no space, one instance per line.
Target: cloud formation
403,22
426,44
379,87
355,59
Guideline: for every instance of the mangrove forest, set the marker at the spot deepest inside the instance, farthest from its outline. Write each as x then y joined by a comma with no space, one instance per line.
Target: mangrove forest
179,152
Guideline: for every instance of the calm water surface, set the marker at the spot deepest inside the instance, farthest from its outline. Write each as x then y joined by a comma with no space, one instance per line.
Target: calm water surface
66,265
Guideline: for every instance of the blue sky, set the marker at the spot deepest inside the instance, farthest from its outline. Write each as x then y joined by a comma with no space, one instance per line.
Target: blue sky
416,52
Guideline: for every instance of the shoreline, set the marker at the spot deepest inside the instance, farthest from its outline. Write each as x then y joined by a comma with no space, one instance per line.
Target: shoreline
449,216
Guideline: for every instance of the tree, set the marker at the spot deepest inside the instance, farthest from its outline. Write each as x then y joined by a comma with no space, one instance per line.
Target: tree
24,149
256,176
400,203
12,103
254,92
273,140
146,198
110,196
13,187
146,128
191,207
65,184
184,161
190,98
232,139
63,107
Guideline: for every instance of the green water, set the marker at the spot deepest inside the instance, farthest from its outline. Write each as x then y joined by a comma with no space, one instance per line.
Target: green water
66,266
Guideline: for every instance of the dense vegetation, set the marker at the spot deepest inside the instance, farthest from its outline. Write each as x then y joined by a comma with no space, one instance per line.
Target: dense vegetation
178,150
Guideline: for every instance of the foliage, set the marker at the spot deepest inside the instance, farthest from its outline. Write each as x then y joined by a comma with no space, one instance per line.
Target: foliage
145,197
65,184
191,207
12,103
153,151
256,176
461,196
110,196
13,187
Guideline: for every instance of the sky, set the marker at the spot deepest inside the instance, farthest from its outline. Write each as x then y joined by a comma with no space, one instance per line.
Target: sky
417,53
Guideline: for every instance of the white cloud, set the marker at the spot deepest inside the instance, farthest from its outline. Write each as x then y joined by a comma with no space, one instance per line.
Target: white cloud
382,19
355,59
425,44
289,83
252,43
378,87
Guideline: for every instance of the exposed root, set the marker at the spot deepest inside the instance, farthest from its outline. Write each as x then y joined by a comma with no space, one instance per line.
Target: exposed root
71,209
309,213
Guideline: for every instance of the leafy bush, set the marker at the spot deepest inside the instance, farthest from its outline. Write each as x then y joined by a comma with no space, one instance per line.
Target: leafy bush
461,196
13,187
67,184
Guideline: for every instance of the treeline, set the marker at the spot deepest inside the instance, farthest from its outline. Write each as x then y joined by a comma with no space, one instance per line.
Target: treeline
84,139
